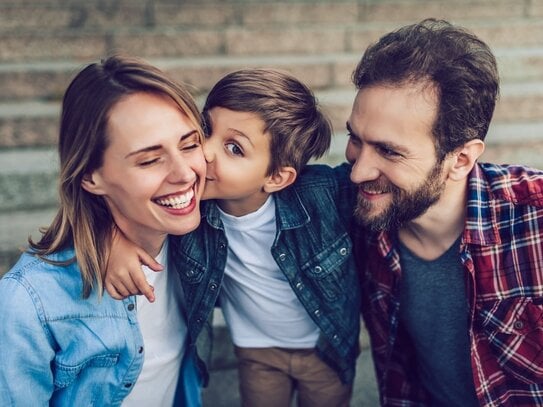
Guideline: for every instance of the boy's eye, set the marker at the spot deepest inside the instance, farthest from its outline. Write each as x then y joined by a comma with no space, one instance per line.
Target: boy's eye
234,149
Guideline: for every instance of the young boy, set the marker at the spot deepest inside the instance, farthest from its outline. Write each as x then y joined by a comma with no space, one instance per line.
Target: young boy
274,239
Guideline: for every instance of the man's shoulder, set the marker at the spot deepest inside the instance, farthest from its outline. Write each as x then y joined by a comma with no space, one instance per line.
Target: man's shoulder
517,184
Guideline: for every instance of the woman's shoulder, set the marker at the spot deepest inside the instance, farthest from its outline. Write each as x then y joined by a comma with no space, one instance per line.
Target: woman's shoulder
41,275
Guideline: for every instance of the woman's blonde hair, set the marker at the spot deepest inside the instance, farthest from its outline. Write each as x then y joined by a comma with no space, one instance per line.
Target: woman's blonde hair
84,220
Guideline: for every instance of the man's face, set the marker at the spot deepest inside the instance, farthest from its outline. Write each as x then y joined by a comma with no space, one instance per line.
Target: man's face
393,154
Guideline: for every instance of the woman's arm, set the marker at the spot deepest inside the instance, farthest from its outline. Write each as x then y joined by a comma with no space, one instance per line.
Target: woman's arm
26,350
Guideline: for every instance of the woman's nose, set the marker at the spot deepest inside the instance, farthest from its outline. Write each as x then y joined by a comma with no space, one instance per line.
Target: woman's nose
181,171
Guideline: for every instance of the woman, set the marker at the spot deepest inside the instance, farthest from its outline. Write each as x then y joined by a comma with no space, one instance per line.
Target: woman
130,155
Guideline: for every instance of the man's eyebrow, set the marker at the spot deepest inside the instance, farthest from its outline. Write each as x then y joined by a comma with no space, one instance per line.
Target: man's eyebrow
386,144
159,146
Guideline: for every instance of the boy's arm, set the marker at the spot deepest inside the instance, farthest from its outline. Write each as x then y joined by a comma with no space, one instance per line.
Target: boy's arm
123,275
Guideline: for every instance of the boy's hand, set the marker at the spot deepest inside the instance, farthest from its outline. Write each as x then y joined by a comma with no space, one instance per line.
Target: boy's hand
124,276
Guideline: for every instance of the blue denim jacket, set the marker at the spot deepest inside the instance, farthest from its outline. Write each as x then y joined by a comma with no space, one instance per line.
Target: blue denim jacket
61,350
312,248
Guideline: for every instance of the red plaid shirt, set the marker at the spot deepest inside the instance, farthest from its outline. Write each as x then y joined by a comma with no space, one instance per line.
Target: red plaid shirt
502,254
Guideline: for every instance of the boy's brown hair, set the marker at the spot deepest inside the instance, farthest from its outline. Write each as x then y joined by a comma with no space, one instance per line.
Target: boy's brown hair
299,131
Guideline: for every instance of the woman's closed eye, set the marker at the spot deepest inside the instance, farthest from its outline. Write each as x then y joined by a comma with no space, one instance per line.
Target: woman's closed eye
147,163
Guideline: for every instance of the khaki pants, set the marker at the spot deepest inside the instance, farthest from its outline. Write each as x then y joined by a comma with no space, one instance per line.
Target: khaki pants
269,376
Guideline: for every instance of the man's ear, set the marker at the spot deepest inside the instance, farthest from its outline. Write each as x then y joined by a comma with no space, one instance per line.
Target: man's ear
465,158
91,183
281,179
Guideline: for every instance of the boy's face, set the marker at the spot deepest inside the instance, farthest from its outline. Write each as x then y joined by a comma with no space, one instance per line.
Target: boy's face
237,153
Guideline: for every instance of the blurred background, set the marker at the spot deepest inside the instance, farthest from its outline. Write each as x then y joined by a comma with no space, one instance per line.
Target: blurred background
43,43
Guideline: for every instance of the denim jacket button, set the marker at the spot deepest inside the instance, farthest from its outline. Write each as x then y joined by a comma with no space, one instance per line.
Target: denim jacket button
317,312
282,256
299,286
190,273
130,307
222,246
343,251
318,269
213,286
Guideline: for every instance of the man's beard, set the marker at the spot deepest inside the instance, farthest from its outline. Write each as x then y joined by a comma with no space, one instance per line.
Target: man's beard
405,205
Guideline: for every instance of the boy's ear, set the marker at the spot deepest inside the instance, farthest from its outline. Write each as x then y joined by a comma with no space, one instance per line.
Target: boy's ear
465,159
282,179
91,183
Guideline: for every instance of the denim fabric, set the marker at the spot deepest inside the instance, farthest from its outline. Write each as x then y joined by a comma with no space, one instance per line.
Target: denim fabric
313,250
59,349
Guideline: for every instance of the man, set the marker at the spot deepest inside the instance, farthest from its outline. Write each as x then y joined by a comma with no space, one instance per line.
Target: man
450,250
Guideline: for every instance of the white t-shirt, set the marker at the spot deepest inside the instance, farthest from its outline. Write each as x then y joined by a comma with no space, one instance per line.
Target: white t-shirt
259,306
164,331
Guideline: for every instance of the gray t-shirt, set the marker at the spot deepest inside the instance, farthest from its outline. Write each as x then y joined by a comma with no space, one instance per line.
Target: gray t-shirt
434,312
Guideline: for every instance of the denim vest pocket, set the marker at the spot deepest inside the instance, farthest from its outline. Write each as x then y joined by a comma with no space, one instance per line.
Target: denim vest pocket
326,268
64,375
514,328
191,271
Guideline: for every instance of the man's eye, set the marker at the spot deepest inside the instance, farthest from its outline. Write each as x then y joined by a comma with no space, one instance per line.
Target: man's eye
234,149
353,139
387,152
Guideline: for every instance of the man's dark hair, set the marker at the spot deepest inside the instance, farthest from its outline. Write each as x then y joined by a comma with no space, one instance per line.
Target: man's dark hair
458,65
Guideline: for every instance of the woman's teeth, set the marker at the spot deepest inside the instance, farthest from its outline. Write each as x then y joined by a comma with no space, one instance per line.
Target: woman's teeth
178,201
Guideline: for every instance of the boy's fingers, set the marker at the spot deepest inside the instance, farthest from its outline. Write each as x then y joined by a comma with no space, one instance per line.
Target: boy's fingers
113,292
149,261
143,287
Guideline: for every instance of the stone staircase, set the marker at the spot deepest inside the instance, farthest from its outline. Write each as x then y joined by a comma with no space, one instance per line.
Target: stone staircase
44,42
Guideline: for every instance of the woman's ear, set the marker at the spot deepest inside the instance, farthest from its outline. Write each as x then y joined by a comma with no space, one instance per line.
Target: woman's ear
465,159
281,179
91,183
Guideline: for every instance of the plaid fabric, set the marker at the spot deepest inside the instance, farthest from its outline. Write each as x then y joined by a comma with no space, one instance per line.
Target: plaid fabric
502,254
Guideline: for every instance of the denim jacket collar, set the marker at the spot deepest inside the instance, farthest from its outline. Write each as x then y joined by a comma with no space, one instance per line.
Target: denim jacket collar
291,213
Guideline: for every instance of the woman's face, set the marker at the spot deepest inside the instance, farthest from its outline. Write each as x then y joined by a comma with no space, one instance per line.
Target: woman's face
153,171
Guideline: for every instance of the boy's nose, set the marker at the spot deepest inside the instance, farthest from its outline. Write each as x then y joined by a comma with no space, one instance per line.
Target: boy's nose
209,155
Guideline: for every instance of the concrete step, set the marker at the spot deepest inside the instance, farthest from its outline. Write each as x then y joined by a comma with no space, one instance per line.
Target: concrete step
30,124
159,41
77,15
47,80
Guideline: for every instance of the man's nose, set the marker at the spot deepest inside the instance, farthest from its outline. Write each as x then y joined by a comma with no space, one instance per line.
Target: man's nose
365,167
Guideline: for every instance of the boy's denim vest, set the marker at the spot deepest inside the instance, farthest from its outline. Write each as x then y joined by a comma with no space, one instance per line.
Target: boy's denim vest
312,248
